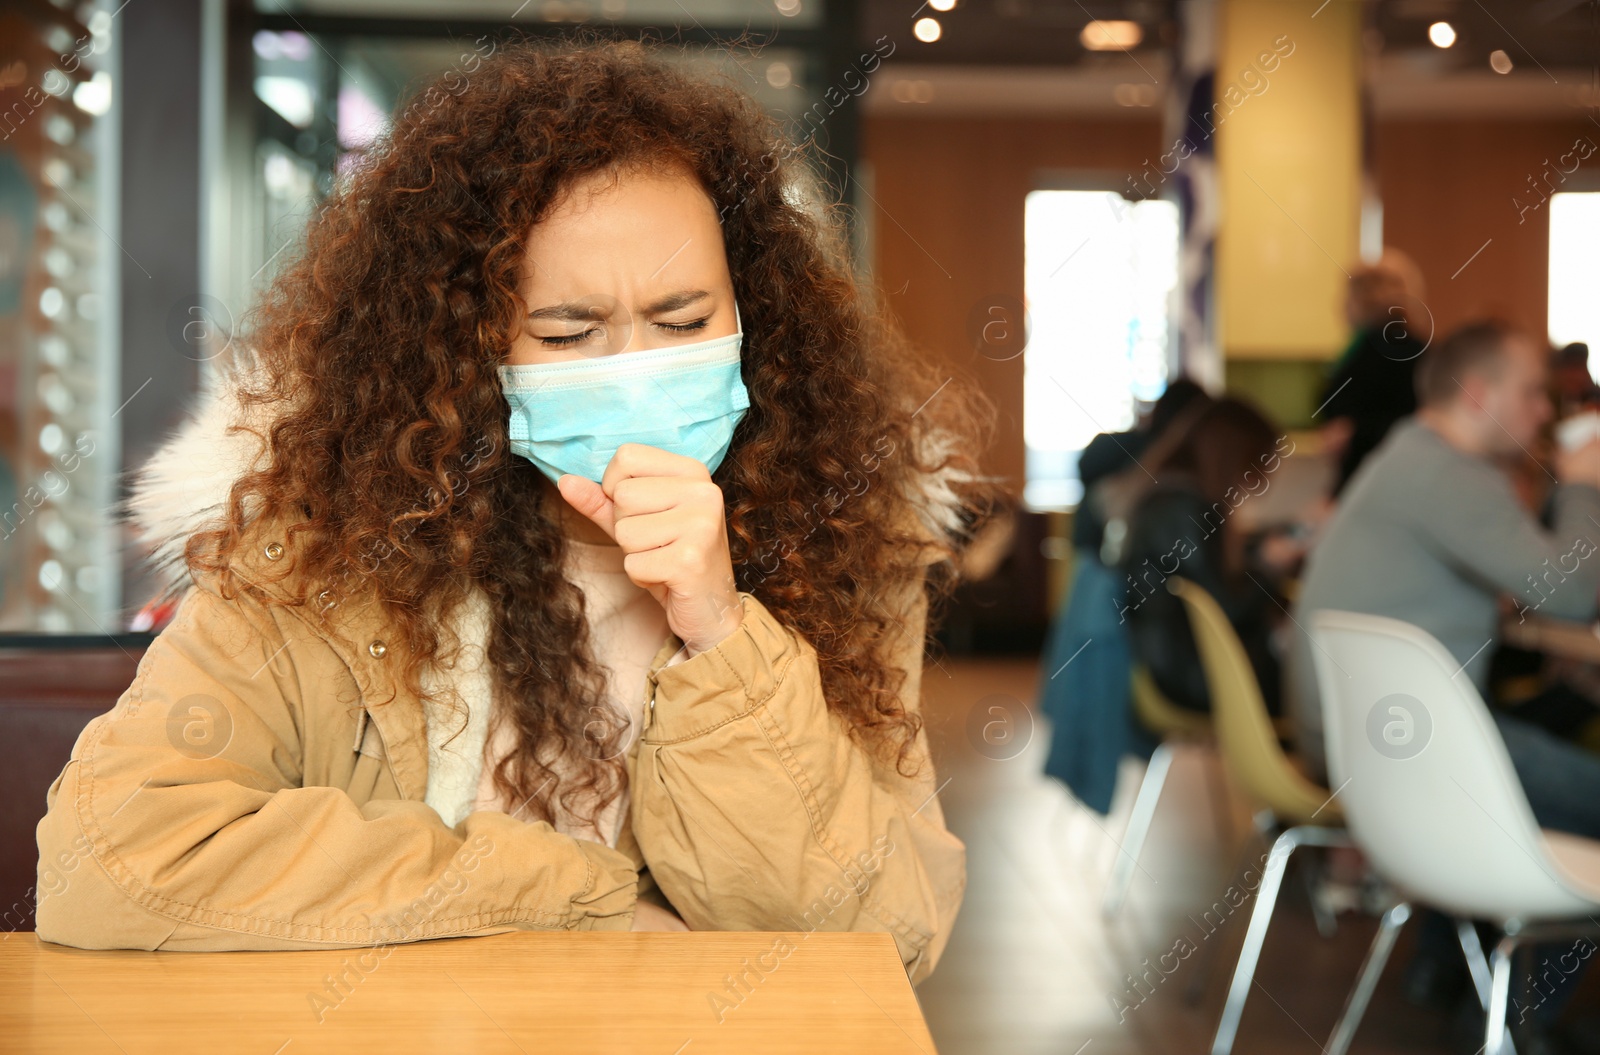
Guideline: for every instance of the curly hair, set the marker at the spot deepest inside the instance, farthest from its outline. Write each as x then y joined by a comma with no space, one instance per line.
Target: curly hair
378,345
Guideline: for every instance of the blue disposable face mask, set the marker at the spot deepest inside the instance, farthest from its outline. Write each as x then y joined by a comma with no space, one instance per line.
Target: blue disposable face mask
571,417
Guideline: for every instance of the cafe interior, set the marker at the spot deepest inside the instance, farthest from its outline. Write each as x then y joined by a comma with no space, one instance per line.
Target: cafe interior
1216,241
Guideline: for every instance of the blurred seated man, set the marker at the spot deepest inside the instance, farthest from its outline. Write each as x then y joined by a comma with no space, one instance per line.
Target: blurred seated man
1430,531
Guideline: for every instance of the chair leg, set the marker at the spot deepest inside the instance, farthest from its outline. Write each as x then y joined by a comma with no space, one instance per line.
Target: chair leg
1200,977
1477,963
1255,937
1495,1034
1355,1006
1144,809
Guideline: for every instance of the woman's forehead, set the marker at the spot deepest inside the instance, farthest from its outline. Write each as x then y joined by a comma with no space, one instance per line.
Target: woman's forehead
632,229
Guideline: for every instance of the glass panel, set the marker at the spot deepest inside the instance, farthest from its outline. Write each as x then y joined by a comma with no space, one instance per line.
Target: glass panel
58,370
1100,276
375,76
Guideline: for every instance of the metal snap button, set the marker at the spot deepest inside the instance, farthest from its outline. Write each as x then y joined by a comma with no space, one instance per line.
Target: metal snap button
378,649
274,550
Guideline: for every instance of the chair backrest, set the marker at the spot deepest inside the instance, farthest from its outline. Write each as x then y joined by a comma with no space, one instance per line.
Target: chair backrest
1429,791
51,686
1160,715
1245,735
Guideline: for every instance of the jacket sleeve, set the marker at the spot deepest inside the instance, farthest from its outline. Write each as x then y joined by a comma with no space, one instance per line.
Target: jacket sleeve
219,849
1482,528
756,810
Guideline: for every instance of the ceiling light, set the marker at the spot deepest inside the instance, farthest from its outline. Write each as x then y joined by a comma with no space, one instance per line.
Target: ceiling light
927,30
1111,36
1443,34
1499,61
942,5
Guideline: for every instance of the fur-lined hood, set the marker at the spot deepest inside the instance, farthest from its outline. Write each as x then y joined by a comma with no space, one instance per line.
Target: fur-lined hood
183,487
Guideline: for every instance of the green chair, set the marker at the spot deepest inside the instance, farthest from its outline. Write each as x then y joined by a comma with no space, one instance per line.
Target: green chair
1173,725
1294,811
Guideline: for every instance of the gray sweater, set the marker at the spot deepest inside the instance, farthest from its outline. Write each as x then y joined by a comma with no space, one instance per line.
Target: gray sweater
1434,536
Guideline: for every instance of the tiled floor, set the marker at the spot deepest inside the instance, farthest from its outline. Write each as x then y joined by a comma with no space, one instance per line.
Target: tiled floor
1033,968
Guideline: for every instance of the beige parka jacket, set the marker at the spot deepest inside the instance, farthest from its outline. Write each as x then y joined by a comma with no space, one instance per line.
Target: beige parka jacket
260,784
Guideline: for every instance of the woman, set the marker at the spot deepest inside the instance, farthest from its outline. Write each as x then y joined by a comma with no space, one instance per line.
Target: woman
1372,384
1088,700
1217,456
581,579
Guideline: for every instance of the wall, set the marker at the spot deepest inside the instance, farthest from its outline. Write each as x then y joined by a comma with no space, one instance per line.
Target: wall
948,223
1447,189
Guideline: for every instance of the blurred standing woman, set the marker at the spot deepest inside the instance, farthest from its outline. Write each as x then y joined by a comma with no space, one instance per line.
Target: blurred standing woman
1371,385
568,566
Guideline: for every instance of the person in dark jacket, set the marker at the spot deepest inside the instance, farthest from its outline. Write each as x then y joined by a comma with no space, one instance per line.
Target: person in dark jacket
1187,523
1083,685
1371,385
1111,452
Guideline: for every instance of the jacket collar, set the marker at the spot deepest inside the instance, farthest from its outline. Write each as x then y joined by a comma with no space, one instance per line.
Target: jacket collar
183,488
355,627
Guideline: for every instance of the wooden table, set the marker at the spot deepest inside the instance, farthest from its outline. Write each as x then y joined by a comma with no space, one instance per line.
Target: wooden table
520,992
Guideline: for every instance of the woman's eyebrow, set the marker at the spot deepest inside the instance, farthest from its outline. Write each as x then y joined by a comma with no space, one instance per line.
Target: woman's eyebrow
586,311
673,301
571,311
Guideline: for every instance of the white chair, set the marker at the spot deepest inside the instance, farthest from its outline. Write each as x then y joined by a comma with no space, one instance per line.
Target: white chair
1430,796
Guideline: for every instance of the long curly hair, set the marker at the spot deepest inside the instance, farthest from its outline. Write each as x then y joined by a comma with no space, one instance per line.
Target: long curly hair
378,346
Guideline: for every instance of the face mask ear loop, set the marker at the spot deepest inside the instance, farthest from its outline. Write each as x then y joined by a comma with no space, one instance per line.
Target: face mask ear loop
737,321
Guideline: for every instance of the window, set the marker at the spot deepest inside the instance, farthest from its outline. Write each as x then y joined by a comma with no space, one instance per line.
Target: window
1575,271
1101,275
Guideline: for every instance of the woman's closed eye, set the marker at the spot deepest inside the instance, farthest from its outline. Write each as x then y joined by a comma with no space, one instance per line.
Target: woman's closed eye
565,339
562,340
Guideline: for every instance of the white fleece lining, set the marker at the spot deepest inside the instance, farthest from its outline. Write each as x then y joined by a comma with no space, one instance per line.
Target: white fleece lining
454,768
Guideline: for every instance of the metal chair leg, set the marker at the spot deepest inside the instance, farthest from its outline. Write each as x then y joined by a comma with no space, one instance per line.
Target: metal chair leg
1200,975
1355,1006
1255,937
1144,809
1261,833
1478,967
1495,1034
1477,963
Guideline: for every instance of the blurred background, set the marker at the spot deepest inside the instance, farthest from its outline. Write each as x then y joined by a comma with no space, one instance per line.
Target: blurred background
1074,203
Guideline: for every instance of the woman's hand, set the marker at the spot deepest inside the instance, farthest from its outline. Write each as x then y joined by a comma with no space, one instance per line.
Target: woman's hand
668,517
648,916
